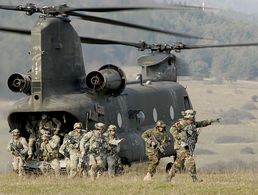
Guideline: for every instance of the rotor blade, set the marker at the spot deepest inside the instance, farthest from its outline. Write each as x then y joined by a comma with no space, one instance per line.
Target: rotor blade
10,7
15,30
119,23
115,9
217,46
90,40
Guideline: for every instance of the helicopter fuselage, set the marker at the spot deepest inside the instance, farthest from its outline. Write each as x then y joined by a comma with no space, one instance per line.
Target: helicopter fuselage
133,112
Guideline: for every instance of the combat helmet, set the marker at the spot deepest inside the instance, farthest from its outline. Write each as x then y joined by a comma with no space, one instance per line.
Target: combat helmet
15,132
189,114
44,116
111,127
99,126
160,123
77,125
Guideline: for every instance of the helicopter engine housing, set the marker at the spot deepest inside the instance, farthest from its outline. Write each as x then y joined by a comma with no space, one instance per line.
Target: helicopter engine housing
109,80
20,83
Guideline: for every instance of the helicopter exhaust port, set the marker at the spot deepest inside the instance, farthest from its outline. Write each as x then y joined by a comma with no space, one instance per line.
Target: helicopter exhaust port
20,83
109,79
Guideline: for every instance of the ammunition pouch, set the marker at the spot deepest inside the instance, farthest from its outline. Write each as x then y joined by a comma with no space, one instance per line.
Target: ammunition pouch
50,156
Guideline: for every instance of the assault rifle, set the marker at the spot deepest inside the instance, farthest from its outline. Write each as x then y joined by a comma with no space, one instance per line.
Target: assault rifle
72,140
16,151
158,146
192,140
192,137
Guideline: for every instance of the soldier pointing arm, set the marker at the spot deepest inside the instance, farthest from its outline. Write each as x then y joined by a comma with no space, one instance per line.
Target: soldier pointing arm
185,135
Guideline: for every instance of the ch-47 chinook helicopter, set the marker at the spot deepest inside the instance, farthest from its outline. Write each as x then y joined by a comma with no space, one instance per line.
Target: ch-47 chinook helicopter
57,84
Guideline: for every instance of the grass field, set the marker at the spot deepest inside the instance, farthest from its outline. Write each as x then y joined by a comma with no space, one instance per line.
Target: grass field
131,183
225,168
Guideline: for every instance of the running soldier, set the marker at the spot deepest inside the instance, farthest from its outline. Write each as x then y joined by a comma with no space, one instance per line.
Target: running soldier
72,144
156,141
18,146
95,144
185,135
113,160
49,150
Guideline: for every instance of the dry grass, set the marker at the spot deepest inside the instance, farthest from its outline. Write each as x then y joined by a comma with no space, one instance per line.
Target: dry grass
131,183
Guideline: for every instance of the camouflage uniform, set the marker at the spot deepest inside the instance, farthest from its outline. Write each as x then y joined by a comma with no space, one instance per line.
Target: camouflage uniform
113,160
49,148
19,148
95,144
72,144
185,135
32,127
154,154
49,125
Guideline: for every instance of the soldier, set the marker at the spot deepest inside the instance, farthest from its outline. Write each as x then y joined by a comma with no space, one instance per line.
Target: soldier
64,150
49,125
32,127
113,160
95,144
72,143
18,146
49,150
156,140
185,135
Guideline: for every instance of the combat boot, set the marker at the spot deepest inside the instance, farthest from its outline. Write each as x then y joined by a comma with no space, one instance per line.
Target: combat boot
147,177
196,180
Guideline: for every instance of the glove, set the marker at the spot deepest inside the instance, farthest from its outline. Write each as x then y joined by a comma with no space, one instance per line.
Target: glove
217,120
183,144
148,141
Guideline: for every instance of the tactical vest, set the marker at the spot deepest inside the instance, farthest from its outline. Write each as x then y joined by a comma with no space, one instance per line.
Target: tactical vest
97,144
49,153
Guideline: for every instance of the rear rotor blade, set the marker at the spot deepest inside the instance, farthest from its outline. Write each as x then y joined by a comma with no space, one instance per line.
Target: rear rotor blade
115,9
10,7
15,30
31,8
119,23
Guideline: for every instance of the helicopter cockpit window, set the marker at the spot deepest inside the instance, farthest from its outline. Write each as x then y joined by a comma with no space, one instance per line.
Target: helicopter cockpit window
137,115
172,113
140,117
155,115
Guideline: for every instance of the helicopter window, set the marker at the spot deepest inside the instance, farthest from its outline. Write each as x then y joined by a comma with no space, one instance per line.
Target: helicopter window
119,120
140,117
172,113
187,103
155,115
